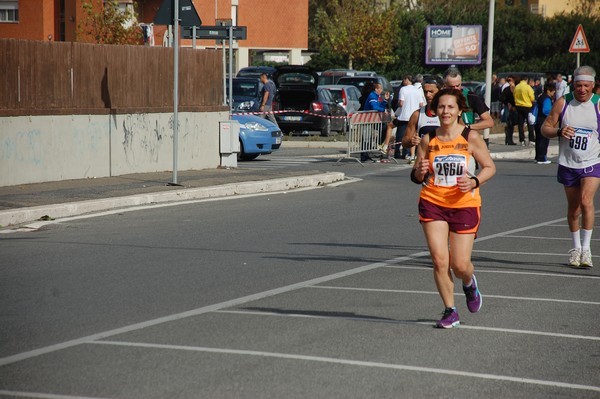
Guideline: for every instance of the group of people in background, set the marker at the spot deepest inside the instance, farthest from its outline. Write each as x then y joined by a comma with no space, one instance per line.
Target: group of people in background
412,112
515,97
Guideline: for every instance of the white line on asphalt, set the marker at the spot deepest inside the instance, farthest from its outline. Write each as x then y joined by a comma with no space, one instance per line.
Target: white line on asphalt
195,312
20,394
359,363
516,298
521,253
233,302
546,238
422,323
486,270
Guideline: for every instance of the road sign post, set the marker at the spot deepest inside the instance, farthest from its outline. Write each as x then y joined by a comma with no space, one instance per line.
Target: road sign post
579,44
170,13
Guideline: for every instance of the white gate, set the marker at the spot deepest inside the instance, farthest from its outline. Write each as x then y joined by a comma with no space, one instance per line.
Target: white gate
364,133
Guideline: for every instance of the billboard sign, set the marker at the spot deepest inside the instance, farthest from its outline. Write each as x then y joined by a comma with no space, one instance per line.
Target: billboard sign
453,44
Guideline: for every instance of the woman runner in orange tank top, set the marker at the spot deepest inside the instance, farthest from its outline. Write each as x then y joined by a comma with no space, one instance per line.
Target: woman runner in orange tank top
449,203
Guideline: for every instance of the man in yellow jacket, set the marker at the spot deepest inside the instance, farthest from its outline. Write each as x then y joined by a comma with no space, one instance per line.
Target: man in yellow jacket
524,99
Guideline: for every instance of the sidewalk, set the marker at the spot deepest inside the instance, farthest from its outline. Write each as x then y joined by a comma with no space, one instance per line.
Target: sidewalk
29,202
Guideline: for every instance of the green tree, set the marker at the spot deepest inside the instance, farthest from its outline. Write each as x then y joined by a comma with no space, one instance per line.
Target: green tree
354,32
522,41
105,23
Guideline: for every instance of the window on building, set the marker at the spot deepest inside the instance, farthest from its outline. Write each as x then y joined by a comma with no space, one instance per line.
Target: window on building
127,7
234,13
9,11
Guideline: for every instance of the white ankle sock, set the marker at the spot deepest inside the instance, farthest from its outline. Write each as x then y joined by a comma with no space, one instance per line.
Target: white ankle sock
586,239
576,238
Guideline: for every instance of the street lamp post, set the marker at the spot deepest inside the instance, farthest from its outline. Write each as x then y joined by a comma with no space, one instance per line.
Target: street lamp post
488,63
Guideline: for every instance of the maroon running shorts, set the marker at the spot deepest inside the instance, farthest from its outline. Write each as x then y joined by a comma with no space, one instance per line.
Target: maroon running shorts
460,220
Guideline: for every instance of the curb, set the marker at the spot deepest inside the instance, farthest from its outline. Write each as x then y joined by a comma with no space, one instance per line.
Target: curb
55,211
525,153
315,144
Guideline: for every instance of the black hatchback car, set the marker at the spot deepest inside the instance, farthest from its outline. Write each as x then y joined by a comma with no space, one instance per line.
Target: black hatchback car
246,94
305,107
255,72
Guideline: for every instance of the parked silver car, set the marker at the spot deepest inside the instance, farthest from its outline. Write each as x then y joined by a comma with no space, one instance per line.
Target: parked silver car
347,96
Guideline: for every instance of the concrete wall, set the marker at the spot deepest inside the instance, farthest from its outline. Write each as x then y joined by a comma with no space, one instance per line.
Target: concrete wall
49,148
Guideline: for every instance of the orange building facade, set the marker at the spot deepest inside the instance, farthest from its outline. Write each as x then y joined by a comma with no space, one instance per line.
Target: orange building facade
277,30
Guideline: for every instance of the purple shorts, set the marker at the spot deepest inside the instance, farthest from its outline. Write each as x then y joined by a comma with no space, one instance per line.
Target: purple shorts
570,177
460,220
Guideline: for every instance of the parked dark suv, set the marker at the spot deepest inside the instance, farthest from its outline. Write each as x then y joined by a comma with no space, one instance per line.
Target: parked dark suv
255,72
305,107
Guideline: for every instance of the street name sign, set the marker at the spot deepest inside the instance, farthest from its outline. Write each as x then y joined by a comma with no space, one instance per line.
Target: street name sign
214,32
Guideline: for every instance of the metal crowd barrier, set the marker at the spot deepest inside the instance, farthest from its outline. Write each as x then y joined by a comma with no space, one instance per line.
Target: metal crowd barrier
364,133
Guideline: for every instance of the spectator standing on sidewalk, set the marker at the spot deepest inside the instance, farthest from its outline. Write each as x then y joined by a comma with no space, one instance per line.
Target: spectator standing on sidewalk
561,86
375,102
267,95
450,203
538,88
524,99
575,120
364,93
509,117
495,96
410,99
544,106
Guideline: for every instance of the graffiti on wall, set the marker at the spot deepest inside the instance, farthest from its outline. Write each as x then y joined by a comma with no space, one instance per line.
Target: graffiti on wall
143,138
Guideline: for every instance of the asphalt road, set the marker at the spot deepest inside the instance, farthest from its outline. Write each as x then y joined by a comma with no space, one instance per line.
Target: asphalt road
322,293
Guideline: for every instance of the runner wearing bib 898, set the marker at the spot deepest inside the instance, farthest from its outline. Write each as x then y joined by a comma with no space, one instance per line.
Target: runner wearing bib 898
575,120
450,204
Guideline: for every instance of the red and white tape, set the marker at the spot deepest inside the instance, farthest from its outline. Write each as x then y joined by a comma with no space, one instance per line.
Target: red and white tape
291,112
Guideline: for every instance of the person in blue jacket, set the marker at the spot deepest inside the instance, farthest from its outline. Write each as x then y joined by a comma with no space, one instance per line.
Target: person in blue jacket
544,106
375,102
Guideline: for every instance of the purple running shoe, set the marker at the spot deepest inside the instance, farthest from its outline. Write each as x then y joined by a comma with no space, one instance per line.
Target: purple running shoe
449,319
474,299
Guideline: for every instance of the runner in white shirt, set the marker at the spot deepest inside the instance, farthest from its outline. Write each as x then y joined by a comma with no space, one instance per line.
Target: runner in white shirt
575,120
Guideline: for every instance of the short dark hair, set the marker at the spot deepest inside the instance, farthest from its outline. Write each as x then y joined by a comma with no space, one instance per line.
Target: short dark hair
450,91
433,80
549,86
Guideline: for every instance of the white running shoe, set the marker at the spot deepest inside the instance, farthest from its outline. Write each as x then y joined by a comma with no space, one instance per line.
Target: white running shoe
586,258
383,148
575,257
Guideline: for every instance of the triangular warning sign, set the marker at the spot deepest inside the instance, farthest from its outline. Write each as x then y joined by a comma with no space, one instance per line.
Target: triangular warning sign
579,43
